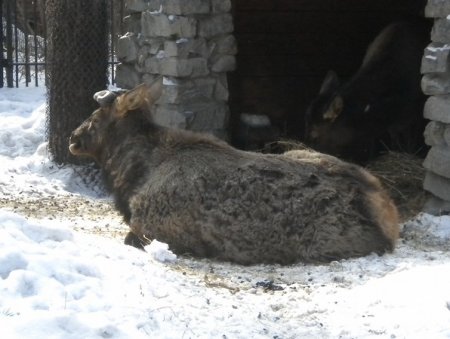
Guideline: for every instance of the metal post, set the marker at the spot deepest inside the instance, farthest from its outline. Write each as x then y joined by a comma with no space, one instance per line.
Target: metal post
9,46
2,60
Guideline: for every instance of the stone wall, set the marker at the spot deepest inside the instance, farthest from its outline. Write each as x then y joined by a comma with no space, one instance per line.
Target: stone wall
436,83
191,44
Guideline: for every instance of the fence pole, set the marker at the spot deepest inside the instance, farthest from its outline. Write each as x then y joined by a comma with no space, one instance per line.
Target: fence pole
9,44
2,60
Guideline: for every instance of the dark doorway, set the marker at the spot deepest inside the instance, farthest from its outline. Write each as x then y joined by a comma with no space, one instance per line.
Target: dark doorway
286,47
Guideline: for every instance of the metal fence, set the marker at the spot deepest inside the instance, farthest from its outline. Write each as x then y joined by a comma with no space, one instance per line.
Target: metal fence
24,41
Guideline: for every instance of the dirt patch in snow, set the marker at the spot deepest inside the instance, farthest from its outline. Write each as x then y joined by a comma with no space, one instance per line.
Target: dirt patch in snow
85,214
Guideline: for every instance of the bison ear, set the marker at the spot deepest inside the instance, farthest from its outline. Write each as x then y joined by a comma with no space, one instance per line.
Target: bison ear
330,83
131,100
335,109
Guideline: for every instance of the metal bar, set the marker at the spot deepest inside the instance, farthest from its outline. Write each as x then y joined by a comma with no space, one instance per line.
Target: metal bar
12,62
1,45
36,78
27,53
19,63
45,45
9,46
112,38
16,44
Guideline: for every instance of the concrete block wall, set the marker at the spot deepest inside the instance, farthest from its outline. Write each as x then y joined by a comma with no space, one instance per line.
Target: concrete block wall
436,84
191,44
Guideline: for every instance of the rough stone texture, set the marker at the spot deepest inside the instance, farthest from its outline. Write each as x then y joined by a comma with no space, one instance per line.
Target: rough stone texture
127,76
221,6
447,135
194,67
441,30
198,116
434,134
190,44
438,161
212,26
149,78
161,25
439,186
184,48
225,44
132,23
206,115
185,7
224,63
435,59
438,108
177,91
205,87
437,8
436,83
221,91
169,116
126,49
142,5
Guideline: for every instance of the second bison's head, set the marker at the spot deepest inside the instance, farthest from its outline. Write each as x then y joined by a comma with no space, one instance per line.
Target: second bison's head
327,128
88,139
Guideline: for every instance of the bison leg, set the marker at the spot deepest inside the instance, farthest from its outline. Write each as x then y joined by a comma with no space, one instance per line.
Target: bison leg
132,239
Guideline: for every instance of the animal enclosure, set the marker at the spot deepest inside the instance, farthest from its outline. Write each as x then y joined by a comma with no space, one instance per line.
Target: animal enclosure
287,47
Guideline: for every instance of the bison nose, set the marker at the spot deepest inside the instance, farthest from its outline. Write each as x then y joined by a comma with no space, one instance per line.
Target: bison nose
74,143
73,138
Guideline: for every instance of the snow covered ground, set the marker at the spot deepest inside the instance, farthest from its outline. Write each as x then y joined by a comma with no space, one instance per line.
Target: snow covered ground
64,272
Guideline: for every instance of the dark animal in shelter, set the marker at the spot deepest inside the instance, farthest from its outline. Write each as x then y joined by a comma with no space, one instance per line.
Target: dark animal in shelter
208,199
381,107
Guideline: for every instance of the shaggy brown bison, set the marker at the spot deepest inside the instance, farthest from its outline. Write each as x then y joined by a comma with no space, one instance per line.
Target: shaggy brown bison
380,107
207,199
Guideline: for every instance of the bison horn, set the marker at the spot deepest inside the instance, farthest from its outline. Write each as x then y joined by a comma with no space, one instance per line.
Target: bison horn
105,97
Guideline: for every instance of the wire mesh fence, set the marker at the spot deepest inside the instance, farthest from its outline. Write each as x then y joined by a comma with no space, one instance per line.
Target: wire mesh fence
77,56
24,25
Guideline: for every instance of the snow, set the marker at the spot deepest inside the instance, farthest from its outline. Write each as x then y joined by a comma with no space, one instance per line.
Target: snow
169,81
160,251
159,11
58,280
161,54
444,48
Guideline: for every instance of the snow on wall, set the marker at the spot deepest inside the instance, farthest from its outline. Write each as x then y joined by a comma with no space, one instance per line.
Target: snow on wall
436,83
191,45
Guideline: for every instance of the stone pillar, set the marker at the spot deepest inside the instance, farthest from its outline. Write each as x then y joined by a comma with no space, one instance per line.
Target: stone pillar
191,44
436,83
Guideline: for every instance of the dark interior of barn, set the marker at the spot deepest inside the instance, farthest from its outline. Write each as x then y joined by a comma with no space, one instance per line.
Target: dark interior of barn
286,47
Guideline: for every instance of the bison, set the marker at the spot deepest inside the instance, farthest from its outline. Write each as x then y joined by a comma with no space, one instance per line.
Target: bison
207,199
380,107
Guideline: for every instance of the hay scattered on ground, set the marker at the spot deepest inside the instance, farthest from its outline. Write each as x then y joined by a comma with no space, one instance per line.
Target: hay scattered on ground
402,174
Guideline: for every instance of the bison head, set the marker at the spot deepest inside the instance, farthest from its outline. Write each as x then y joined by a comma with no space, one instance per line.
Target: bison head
88,139
327,128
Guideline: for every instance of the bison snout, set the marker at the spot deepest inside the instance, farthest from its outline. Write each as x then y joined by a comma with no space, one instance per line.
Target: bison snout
75,144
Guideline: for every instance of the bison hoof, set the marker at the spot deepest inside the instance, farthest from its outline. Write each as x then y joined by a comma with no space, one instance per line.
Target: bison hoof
133,240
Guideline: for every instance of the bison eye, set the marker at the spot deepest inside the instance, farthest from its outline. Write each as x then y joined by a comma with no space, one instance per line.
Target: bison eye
93,124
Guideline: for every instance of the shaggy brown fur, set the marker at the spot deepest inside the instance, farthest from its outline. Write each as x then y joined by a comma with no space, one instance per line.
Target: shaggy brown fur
205,198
